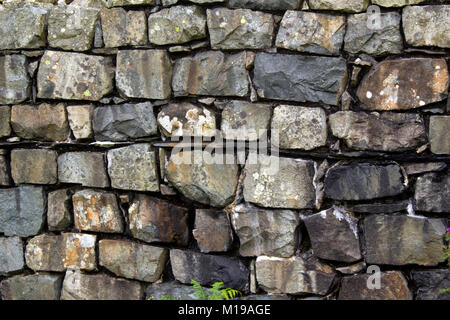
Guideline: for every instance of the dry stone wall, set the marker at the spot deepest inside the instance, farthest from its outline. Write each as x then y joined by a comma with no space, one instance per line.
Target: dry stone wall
351,95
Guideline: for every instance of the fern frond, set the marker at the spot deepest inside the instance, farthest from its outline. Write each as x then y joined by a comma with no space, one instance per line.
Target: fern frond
199,291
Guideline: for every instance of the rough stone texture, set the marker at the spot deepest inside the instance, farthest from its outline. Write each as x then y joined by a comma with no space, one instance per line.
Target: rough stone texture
432,193
311,32
396,3
23,27
58,253
364,181
211,73
402,240
186,119
124,122
427,25
208,269
4,171
334,235
208,183
32,287
418,168
155,220
123,28
429,282
377,208
72,27
22,211
212,230
132,260
299,127
294,275
37,166
300,78
5,117
379,132
177,25
85,168
80,120
439,134
404,84
15,84
393,287
80,286
243,120
142,176
173,289
42,122
59,217
265,232
97,211
144,74
265,4
339,5
11,255
288,186
120,3
240,29
387,39
74,76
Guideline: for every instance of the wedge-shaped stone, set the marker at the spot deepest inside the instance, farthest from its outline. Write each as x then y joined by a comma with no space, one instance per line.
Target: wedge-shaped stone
404,84
15,83
36,166
339,5
85,168
403,240
11,256
432,193
32,287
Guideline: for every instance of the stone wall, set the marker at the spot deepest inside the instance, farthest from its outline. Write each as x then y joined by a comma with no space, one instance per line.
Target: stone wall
94,205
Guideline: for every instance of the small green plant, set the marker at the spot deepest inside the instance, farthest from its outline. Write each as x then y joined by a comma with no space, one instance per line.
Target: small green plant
446,256
216,292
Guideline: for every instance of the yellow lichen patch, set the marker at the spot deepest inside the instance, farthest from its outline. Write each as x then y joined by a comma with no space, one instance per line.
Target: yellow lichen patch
87,93
243,20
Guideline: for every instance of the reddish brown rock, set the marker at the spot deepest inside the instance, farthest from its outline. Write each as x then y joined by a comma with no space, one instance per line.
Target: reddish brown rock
212,230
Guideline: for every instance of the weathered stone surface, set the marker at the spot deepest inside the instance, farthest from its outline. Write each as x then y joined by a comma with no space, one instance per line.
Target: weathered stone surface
74,76
15,84
354,268
128,3
186,119
243,120
211,73
11,256
262,297
432,193
334,235
294,275
396,3
288,186
97,211
42,122
427,25
156,220
402,240
206,1
212,230
207,269
240,29
37,166
424,167
32,287
440,134
311,32
122,28
173,289
124,122
72,27
382,40
385,132
300,78
23,27
132,260
339,5
58,253
200,180
404,84
85,168
363,181
265,232
80,120
22,211
59,216
176,25
299,127
144,74
429,282
4,171
393,287
80,286
142,175
377,208
5,118
265,4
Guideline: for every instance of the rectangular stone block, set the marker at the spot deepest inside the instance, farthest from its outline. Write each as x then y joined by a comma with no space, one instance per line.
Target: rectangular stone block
32,287
440,134
11,255
85,168
5,118
15,83
432,193
35,166
123,28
